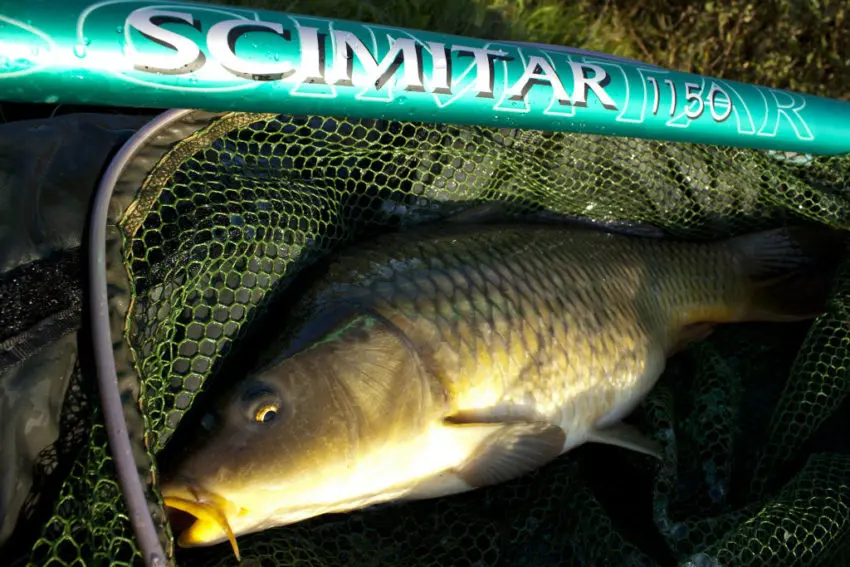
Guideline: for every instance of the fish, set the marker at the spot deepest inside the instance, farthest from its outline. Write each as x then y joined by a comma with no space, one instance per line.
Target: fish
455,356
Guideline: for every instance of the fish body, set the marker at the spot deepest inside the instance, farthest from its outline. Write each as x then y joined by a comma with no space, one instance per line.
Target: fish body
448,358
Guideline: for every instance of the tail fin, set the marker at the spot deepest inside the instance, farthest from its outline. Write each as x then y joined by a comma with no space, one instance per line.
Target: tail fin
791,270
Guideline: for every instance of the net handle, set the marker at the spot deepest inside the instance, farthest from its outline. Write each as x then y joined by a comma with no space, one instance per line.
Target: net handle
68,52
102,341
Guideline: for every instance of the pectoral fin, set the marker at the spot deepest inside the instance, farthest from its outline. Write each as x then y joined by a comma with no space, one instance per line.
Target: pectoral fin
627,437
507,450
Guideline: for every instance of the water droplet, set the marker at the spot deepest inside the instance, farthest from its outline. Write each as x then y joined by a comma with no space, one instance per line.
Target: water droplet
52,99
87,41
276,57
80,50
120,29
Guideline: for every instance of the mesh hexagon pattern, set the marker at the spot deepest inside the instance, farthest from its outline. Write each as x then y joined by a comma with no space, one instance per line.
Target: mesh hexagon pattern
756,467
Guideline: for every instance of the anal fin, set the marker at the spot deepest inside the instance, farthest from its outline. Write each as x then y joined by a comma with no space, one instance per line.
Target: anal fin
627,437
690,334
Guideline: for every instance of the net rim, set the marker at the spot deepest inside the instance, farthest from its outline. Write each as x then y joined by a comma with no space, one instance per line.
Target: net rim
103,339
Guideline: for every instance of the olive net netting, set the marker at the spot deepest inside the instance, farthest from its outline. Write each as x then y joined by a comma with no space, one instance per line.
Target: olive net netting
756,468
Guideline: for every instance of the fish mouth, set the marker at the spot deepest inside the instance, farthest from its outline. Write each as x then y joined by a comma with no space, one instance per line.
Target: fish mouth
207,516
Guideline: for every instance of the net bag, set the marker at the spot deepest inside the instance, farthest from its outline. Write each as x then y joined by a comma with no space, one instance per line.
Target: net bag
213,215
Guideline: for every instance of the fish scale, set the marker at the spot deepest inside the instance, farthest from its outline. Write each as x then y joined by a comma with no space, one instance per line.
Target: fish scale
514,274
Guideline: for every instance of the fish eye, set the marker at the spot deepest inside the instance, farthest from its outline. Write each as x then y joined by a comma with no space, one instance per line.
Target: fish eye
262,403
266,412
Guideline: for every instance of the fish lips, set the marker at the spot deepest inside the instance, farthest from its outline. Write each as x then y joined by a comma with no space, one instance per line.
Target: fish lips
209,510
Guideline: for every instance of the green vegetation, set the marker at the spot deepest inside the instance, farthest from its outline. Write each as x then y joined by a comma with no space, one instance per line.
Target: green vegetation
803,45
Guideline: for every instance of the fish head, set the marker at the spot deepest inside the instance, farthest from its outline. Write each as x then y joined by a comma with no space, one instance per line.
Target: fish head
321,431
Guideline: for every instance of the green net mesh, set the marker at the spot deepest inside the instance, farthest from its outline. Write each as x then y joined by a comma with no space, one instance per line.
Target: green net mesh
752,421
